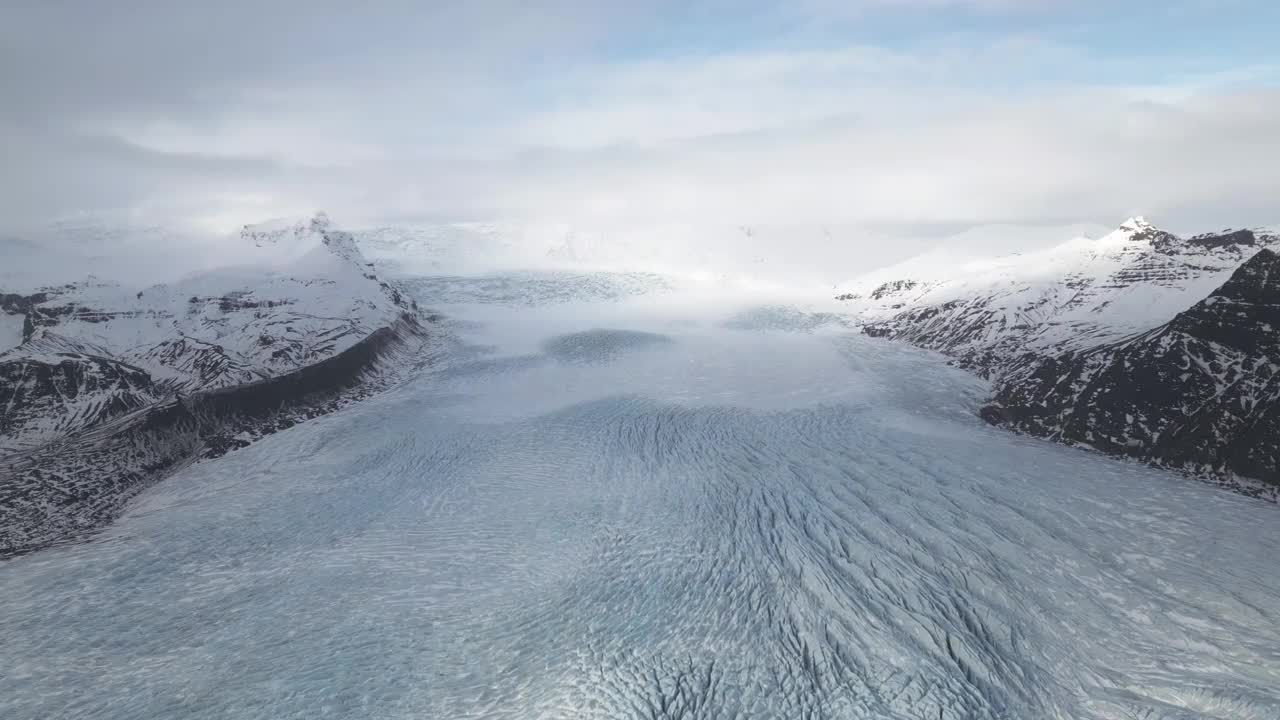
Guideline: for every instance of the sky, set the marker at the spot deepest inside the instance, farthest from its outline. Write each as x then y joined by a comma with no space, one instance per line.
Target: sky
900,116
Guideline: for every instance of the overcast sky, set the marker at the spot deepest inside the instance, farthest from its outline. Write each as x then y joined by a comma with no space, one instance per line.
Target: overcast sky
884,113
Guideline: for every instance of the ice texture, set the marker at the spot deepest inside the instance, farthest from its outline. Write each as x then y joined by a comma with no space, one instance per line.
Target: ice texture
712,518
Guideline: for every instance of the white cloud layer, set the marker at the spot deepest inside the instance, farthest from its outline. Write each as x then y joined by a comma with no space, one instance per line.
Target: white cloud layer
229,113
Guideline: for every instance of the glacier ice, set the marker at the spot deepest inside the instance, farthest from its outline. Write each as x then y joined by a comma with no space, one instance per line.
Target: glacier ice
703,515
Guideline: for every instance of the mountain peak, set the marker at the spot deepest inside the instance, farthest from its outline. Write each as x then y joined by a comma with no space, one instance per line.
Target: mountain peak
1138,230
1137,223
289,243
279,230
320,222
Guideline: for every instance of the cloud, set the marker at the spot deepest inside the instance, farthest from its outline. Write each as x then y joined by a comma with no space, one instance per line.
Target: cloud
1088,156
589,112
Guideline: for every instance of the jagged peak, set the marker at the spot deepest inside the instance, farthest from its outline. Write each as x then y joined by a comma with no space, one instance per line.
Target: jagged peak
291,240
276,230
1135,229
1137,223
1140,230
320,221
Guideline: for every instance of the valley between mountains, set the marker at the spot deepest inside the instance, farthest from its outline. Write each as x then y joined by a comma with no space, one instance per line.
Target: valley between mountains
1137,343
346,480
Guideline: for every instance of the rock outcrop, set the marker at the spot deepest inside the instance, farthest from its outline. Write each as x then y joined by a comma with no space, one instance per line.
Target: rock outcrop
1201,392
110,388
1121,344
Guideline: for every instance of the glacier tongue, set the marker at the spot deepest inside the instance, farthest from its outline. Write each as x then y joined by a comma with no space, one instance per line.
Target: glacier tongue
615,513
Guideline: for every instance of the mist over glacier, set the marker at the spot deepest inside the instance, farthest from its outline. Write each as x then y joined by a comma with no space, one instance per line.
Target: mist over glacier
811,257
617,498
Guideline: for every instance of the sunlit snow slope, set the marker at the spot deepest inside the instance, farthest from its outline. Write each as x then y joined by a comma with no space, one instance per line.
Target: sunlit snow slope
621,508
989,312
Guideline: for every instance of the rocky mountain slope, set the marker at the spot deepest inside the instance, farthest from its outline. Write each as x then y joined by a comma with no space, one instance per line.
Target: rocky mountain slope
991,314
103,388
1200,392
1139,343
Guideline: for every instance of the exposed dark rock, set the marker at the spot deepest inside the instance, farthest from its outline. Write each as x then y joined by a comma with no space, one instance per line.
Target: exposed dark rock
96,403
1092,357
46,397
1200,393
232,302
205,364
1227,238
995,414
76,484
50,307
960,329
893,287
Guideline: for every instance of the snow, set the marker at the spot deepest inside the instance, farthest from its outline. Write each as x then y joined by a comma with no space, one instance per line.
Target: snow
10,330
1079,293
296,294
988,241
1134,224
740,520
303,285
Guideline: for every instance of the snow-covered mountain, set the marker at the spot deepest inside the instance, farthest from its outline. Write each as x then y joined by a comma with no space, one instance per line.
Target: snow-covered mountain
1201,391
989,313
302,319
92,350
1021,319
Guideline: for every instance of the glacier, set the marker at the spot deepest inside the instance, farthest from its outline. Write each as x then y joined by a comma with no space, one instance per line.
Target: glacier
621,498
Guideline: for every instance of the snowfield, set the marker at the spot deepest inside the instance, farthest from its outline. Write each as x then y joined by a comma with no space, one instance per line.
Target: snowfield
988,309
630,502
1105,343
302,293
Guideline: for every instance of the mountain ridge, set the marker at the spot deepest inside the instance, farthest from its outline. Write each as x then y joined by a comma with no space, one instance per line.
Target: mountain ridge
1040,326
108,388
1200,393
